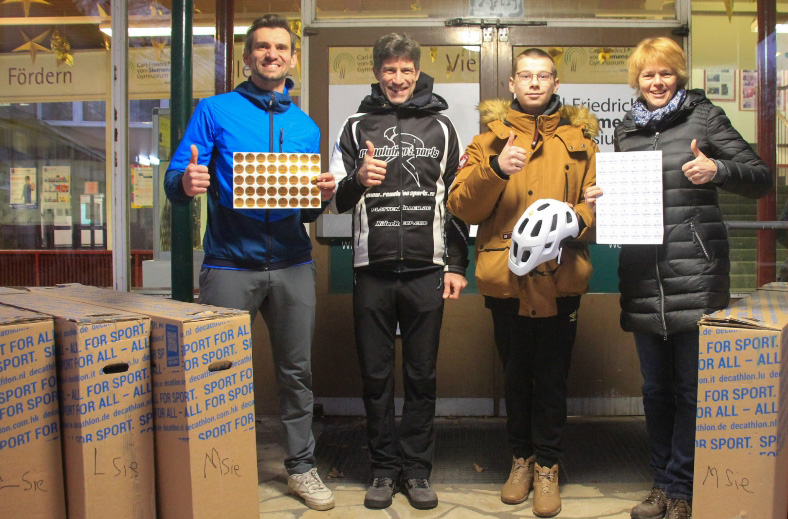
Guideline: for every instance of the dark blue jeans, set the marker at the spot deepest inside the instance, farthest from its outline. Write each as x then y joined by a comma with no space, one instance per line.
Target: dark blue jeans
670,399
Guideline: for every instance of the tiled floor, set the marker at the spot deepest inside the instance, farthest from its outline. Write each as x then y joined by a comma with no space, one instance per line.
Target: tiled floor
603,474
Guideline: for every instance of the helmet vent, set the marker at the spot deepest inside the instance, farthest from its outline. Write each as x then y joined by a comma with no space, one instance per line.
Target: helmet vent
537,228
554,223
522,226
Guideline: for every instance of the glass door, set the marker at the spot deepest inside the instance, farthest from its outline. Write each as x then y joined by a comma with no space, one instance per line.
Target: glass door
471,64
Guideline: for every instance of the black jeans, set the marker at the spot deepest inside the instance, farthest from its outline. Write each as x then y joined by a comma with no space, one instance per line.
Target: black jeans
536,354
415,301
670,400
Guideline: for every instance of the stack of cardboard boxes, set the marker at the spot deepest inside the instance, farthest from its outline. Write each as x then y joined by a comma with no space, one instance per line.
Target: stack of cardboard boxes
31,464
741,462
194,369
103,381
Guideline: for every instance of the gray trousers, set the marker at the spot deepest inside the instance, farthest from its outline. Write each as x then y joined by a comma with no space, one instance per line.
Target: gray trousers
286,299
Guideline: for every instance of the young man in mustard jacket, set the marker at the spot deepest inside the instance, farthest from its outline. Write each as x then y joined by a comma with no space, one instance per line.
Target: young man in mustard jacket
534,149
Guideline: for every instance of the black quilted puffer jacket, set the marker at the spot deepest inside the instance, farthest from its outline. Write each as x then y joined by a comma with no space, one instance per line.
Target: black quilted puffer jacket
666,288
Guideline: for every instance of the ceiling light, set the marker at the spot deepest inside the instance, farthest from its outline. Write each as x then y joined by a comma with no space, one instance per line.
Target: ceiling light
780,28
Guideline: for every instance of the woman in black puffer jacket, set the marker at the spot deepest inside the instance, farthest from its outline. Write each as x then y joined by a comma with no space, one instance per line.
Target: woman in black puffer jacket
666,289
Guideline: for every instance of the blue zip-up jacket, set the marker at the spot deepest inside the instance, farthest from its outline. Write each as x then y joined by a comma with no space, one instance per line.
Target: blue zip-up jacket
250,120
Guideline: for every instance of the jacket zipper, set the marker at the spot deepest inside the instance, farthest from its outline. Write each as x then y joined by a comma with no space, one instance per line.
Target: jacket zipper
270,149
659,279
661,297
696,239
401,198
271,123
536,132
358,240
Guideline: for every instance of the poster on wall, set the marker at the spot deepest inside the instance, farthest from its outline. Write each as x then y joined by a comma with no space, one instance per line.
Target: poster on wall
597,65
609,103
141,187
495,8
749,88
56,184
720,84
22,188
748,84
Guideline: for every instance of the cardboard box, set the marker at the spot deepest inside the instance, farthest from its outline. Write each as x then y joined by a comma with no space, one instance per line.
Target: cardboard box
9,290
104,373
741,462
203,393
31,462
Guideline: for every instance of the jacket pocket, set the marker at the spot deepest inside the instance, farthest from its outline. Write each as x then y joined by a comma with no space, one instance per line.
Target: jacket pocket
493,276
697,239
574,272
571,188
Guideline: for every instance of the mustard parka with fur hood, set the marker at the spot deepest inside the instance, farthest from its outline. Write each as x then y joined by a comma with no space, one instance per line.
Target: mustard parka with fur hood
560,164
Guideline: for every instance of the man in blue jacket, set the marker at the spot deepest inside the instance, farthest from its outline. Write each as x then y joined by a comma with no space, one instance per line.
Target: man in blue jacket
259,259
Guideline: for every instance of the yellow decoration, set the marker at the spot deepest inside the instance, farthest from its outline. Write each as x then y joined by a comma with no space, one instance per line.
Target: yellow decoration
158,47
433,53
26,4
729,8
106,39
32,46
555,53
62,49
603,55
295,26
415,6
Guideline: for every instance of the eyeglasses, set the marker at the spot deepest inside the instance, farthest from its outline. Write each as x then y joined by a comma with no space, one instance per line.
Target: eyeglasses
526,77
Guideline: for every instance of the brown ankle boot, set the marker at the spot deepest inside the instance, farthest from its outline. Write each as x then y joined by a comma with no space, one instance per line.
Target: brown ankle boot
679,509
547,501
520,481
653,507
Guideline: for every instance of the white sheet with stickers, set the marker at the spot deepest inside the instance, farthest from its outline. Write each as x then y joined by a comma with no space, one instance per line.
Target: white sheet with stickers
630,209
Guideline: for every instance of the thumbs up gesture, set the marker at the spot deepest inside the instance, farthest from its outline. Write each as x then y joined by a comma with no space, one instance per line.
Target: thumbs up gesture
196,178
512,158
701,169
372,171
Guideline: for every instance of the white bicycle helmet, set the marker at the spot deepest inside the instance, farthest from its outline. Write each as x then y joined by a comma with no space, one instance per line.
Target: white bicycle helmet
538,234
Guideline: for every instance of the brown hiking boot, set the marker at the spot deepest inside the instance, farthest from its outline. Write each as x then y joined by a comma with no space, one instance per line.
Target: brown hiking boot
679,509
520,481
653,507
547,501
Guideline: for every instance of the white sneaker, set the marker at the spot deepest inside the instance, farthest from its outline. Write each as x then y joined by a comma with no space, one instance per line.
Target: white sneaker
309,487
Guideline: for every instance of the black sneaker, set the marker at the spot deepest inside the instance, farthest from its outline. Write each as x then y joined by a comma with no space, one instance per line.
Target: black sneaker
380,493
420,494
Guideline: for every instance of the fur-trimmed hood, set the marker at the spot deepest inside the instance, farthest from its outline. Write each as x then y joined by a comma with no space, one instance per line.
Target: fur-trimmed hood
578,116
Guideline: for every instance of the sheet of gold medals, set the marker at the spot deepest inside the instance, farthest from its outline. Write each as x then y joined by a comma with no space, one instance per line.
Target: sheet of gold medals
275,180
